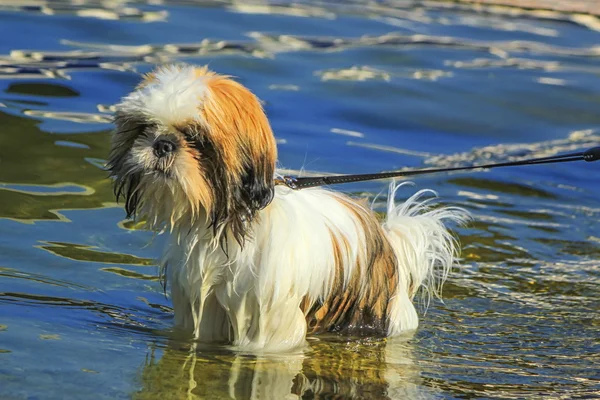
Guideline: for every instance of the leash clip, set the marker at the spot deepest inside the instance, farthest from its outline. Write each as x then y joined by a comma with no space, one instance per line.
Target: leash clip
290,182
592,154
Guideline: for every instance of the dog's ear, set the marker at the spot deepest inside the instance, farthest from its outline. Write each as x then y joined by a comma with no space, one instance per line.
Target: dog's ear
245,153
253,192
257,185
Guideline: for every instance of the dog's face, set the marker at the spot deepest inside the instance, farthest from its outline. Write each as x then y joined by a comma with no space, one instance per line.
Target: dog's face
192,144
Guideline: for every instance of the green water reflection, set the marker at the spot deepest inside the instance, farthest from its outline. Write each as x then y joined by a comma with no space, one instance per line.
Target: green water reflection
32,158
331,368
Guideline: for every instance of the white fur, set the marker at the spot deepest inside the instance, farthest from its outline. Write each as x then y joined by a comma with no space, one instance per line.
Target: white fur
173,96
425,250
290,255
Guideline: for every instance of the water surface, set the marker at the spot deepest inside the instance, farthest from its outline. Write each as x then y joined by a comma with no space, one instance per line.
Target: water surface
349,88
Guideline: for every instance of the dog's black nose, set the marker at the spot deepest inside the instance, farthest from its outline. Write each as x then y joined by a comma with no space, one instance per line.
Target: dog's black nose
163,147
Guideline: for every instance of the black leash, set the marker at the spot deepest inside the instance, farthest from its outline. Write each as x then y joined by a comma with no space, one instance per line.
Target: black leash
590,155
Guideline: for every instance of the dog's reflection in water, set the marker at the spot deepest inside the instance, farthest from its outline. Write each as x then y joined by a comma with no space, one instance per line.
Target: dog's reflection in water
329,368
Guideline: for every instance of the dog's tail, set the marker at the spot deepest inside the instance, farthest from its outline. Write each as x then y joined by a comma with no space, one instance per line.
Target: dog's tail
425,248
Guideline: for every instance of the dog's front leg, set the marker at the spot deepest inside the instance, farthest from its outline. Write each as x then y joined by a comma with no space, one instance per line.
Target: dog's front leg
200,315
260,323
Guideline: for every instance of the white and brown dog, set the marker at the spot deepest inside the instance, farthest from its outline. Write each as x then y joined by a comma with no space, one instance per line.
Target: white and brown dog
250,262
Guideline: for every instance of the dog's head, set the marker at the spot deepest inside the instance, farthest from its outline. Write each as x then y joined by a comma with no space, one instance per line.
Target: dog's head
192,144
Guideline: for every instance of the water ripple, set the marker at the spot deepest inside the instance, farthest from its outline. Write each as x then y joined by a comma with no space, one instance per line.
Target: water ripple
114,10
122,58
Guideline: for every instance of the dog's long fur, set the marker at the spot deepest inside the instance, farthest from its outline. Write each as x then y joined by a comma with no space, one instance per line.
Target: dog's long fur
252,263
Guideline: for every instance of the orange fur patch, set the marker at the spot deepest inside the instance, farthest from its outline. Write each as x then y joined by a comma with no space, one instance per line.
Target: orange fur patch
237,123
199,189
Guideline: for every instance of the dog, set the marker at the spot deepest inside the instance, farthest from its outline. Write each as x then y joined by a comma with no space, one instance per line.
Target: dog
250,262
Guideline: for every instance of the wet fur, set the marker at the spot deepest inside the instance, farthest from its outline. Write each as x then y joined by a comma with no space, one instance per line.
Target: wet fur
255,264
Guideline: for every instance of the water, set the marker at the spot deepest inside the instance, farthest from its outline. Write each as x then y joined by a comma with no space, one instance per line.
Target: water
349,88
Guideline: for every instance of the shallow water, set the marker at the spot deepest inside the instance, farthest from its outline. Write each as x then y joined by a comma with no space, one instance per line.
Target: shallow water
349,87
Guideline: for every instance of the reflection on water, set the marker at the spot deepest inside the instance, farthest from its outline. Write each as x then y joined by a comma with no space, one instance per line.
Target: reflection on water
328,368
37,162
350,87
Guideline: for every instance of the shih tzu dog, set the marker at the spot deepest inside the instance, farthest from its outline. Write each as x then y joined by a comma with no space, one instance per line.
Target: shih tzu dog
251,262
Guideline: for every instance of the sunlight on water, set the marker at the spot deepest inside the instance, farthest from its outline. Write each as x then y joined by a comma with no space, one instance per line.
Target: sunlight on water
350,87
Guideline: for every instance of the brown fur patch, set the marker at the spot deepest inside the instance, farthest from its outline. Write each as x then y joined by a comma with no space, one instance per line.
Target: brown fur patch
362,306
239,137
238,124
